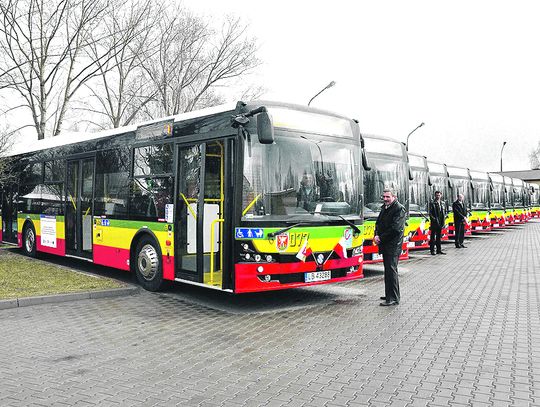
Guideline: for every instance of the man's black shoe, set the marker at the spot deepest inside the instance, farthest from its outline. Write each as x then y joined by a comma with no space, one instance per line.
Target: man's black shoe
383,298
433,253
463,246
441,253
458,247
388,303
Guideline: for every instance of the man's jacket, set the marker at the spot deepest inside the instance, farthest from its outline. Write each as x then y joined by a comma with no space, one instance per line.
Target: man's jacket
459,211
437,214
390,225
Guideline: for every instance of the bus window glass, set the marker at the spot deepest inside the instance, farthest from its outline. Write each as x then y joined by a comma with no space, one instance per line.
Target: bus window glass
32,174
297,176
112,182
379,146
383,174
416,161
149,197
419,192
54,171
212,175
480,195
29,198
52,196
153,160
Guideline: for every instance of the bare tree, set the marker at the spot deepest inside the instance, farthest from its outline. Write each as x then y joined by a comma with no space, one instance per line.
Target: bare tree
121,89
6,142
534,157
193,61
45,60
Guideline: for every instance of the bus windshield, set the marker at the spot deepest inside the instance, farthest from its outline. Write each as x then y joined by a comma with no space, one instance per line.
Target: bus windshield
384,173
480,195
299,176
419,191
497,196
461,186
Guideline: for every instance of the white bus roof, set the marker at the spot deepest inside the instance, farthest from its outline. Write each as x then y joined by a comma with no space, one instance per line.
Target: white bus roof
67,138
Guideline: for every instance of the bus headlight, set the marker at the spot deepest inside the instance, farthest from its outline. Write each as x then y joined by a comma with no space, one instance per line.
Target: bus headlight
257,257
269,258
260,269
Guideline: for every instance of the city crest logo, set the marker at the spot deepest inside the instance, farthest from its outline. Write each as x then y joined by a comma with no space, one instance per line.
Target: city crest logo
282,242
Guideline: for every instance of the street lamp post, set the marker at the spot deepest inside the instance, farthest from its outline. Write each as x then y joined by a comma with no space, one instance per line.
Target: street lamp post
321,91
417,127
502,148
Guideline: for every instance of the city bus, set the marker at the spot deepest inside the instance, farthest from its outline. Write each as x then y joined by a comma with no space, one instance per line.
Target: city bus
508,201
480,202
419,198
439,180
211,198
497,201
535,200
460,181
520,213
387,160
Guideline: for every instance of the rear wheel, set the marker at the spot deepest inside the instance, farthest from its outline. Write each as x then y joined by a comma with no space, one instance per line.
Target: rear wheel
148,265
29,240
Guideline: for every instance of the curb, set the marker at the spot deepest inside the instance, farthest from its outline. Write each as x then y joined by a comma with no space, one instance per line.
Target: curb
51,299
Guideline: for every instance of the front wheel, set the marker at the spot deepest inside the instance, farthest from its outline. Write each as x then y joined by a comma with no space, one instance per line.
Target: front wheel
148,265
29,240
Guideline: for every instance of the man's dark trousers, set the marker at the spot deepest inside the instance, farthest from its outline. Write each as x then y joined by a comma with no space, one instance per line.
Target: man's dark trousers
435,239
459,232
391,279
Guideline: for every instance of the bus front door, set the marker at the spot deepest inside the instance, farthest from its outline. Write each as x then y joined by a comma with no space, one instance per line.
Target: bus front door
79,207
199,208
9,214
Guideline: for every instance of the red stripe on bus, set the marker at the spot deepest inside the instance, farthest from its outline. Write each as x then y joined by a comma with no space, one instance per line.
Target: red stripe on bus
60,248
119,258
111,257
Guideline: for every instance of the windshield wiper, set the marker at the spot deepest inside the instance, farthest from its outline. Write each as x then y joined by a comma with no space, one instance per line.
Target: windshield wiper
348,222
280,231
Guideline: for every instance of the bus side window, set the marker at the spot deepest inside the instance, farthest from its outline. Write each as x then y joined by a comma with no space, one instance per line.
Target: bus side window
112,182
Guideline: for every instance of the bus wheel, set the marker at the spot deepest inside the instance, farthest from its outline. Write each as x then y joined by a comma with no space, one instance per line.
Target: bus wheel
29,241
148,267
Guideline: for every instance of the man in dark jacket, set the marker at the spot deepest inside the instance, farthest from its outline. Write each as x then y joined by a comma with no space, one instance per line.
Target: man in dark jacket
437,215
460,218
389,237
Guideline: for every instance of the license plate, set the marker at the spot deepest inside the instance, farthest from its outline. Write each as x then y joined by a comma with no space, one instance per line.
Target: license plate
478,227
495,225
377,256
410,244
317,276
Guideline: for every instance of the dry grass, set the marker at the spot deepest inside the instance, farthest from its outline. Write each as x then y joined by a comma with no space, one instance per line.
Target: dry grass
21,276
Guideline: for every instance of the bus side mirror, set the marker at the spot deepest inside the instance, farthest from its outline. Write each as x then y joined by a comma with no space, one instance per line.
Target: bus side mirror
265,128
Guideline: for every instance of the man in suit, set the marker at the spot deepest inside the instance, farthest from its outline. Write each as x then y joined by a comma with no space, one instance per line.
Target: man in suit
437,215
460,218
389,237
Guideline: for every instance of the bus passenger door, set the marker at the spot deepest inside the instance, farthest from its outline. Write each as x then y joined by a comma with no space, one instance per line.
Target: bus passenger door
9,214
79,207
199,213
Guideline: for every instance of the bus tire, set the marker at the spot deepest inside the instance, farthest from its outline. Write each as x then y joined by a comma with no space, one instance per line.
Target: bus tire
148,265
29,240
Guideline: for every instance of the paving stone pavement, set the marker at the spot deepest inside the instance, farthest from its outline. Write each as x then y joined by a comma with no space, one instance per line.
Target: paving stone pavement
467,333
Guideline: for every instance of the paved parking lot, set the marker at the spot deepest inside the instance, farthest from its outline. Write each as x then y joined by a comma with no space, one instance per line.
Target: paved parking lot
466,333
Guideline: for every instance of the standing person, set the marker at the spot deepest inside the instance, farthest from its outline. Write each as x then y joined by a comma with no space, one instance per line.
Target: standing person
460,217
389,237
437,215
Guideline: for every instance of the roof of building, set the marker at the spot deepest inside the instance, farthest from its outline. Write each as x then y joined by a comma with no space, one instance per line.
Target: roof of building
525,175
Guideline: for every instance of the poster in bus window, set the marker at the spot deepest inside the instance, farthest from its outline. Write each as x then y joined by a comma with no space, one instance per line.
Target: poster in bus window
48,231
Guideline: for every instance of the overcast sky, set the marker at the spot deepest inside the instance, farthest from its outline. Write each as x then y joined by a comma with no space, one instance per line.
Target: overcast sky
469,69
